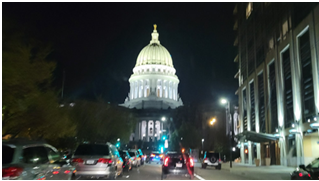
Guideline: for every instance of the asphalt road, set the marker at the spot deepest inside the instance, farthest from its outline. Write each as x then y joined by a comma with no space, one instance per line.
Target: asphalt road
153,172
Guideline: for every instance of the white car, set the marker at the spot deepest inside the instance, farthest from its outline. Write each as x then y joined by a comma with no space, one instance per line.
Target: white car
136,159
212,159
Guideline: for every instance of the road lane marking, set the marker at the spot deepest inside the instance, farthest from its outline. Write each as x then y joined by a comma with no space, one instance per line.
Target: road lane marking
197,176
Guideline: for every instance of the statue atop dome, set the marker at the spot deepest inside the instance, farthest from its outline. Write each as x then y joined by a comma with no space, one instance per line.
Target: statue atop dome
155,26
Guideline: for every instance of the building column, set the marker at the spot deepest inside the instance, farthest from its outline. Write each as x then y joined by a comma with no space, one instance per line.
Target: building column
258,153
242,153
250,153
146,132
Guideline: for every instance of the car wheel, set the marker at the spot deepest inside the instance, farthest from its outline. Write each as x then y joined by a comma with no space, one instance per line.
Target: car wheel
73,177
163,176
204,165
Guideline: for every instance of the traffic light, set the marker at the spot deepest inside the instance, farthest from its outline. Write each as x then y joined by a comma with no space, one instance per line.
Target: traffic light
164,137
117,144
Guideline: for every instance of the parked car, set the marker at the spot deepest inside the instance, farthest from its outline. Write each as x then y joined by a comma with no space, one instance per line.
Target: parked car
135,157
24,159
309,172
180,164
212,159
156,157
97,161
127,162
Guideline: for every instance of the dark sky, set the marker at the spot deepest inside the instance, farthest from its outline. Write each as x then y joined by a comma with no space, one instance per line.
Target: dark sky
97,44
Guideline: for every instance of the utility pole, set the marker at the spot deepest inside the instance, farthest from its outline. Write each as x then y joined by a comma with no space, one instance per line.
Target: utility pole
63,84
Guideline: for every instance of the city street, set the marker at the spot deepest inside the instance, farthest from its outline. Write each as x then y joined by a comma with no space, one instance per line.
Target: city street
153,172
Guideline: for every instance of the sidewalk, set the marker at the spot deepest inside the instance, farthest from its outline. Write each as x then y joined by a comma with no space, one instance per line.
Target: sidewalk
273,172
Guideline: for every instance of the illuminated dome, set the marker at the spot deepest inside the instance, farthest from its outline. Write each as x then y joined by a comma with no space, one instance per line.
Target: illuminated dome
154,53
153,84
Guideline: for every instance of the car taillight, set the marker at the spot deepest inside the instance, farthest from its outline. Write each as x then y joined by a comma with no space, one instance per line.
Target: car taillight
152,155
134,158
191,162
205,159
166,162
308,174
300,174
11,171
55,172
105,160
77,160
220,160
67,171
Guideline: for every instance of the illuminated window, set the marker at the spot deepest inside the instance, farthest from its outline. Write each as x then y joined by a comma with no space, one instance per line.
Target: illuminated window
249,9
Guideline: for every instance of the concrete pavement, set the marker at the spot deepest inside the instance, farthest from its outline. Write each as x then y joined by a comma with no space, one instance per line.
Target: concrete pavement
273,172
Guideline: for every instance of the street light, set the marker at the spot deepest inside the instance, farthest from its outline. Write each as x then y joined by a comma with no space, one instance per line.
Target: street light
118,139
231,131
163,118
202,145
212,121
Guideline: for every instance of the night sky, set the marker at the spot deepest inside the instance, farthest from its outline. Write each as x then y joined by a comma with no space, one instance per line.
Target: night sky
97,45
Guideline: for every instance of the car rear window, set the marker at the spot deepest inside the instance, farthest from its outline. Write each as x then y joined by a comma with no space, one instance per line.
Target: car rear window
7,154
216,155
132,154
92,150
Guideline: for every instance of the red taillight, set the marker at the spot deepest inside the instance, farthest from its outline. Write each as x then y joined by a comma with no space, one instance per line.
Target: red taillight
205,159
77,160
105,160
191,162
166,162
11,172
67,171
300,174
55,172
220,160
308,174
134,158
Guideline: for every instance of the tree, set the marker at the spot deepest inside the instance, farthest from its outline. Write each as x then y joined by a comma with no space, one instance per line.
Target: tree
190,137
30,105
98,121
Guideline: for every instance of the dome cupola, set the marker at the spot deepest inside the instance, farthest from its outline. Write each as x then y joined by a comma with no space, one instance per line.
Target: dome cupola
154,53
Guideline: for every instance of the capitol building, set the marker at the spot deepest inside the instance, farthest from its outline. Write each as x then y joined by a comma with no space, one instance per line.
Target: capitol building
153,91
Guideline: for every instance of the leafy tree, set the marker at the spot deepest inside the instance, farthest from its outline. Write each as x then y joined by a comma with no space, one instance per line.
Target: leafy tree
101,122
30,106
191,137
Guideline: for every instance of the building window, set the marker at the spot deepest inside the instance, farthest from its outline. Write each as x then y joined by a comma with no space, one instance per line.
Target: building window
306,79
252,107
289,114
261,103
273,97
249,9
245,109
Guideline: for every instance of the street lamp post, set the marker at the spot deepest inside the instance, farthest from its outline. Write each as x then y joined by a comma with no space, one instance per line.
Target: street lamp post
231,131
203,146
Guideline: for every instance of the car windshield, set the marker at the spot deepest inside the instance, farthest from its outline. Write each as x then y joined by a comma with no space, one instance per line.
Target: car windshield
7,154
314,164
92,150
132,154
123,153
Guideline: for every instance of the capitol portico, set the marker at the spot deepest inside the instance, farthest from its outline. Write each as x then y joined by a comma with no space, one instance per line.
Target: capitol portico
153,91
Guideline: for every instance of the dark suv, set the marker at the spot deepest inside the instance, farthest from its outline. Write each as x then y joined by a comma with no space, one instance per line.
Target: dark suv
212,159
178,164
